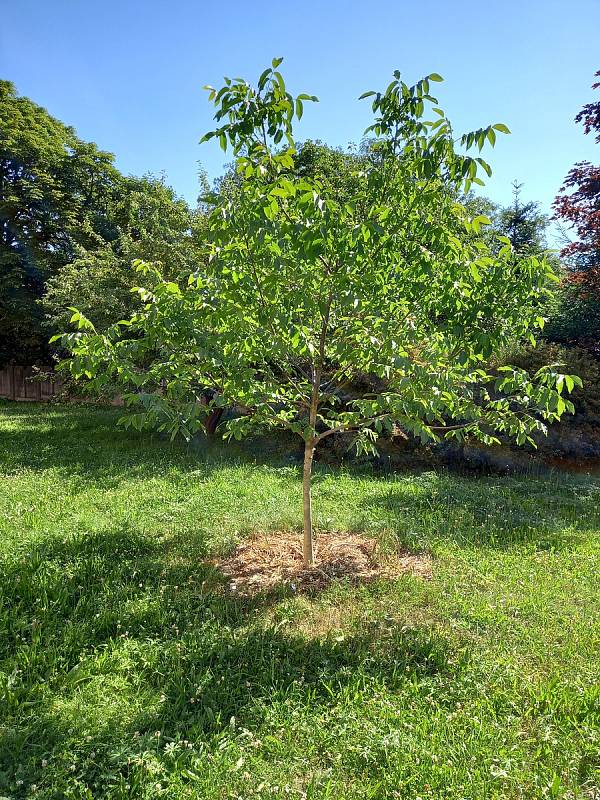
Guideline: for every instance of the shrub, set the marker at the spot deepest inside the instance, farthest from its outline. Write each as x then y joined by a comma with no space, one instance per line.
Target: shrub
575,360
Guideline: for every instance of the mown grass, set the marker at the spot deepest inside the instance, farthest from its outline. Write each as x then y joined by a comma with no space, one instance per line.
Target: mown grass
125,674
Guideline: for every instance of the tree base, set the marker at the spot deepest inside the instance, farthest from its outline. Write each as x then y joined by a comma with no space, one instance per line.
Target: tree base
265,562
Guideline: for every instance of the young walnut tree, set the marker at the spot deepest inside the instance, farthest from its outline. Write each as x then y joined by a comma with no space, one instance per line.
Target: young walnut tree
305,297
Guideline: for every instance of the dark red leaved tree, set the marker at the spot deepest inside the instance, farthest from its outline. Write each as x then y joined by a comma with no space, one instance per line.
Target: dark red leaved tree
578,204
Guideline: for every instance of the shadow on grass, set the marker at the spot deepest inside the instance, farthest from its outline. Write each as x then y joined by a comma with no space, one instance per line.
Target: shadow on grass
547,513
83,442
111,637
86,442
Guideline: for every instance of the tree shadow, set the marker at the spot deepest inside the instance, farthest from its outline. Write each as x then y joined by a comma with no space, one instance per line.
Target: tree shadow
550,511
113,636
545,512
85,442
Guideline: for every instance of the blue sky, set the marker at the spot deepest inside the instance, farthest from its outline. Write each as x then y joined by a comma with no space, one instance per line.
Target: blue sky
128,74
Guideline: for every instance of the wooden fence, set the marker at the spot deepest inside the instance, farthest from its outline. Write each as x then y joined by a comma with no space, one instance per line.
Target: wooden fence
16,384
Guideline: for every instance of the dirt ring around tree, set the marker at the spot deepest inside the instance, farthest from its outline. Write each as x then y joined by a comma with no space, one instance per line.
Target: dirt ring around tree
269,560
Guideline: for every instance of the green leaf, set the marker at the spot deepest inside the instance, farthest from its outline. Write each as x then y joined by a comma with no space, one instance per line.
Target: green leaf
475,272
280,81
263,78
500,126
485,166
433,76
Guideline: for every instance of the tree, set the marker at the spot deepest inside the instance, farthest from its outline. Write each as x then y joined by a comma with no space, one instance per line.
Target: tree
337,171
578,205
523,224
149,222
304,291
70,225
52,190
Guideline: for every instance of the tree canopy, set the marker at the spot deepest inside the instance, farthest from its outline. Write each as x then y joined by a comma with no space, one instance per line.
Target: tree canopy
150,223
306,288
69,225
51,186
578,205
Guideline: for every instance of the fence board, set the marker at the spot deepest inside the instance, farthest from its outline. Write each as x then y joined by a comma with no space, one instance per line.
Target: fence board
16,384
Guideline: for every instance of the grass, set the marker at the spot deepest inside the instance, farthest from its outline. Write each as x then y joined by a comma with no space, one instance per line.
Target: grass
123,675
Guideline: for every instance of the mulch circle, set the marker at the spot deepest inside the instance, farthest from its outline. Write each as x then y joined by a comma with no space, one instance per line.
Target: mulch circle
265,561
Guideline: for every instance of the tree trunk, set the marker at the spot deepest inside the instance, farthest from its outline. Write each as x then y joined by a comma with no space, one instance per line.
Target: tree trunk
307,549
311,442
212,421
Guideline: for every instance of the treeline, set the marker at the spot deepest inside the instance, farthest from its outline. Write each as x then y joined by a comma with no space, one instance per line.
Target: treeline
71,224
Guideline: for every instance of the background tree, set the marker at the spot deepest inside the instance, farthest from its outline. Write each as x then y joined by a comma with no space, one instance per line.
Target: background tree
578,205
304,290
149,222
51,185
69,223
523,224
337,171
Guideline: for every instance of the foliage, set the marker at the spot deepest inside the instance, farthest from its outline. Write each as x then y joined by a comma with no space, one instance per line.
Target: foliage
52,188
123,668
573,359
305,288
525,227
151,223
338,172
578,205
68,218
523,224
571,316
477,205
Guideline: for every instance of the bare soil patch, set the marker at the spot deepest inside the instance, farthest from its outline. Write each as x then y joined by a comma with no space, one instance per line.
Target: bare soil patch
265,561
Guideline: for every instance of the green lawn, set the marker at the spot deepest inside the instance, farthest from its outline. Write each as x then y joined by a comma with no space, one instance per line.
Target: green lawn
124,675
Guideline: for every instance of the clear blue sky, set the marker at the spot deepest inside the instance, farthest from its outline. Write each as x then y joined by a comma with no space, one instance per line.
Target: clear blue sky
128,74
